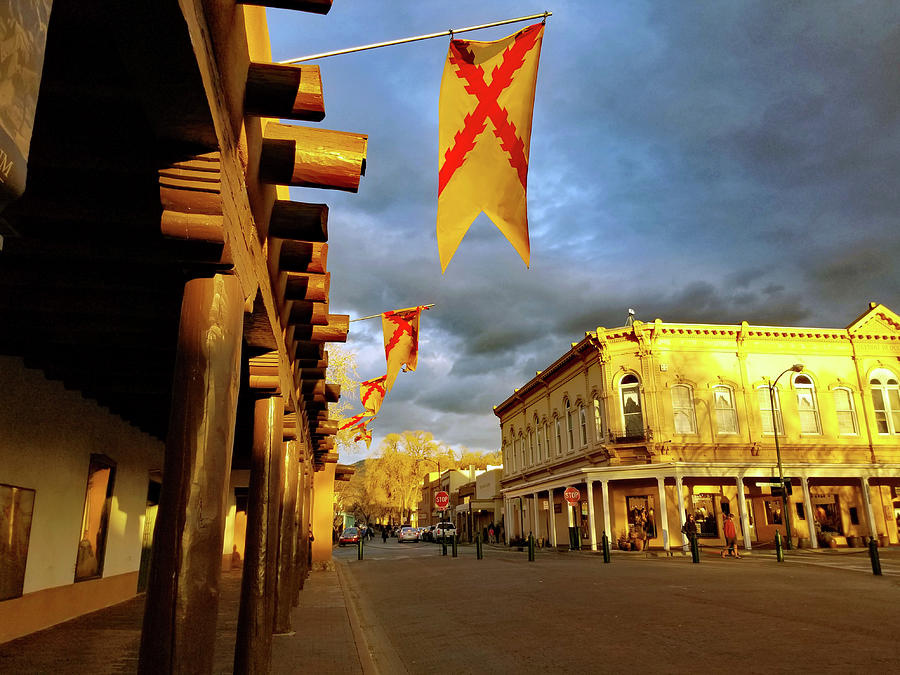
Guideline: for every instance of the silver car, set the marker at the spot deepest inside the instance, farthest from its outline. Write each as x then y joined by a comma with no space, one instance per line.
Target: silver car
408,534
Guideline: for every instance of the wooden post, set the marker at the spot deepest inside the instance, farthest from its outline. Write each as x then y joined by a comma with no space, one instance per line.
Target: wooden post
288,521
323,514
179,626
253,645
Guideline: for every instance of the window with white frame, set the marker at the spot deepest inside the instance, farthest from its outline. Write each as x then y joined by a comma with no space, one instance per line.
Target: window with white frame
582,418
632,415
522,463
846,413
807,406
531,446
726,415
538,431
509,460
683,409
570,425
598,420
765,410
558,436
546,427
885,401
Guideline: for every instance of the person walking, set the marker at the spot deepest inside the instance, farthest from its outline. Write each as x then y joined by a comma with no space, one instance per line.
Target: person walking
384,533
730,532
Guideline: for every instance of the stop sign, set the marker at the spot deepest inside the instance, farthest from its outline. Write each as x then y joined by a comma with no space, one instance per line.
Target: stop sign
572,495
441,500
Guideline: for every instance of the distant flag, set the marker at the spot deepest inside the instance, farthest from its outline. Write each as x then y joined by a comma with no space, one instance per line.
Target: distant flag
482,171
355,420
371,394
401,341
363,435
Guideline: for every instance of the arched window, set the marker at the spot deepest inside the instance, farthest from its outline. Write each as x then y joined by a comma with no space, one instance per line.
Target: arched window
726,416
509,458
683,409
546,429
582,419
846,413
522,463
807,406
765,410
598,420
558,436
570,425
538,431
885,401
633,418
531,447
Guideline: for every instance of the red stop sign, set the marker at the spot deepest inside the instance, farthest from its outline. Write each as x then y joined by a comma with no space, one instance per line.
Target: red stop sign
441,500
572,495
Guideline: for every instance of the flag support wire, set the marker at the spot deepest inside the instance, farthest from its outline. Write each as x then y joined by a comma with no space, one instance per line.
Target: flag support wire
389,43
375,316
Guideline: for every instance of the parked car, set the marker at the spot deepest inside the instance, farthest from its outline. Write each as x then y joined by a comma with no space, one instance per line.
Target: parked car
408,534
349,536
426,533
444,529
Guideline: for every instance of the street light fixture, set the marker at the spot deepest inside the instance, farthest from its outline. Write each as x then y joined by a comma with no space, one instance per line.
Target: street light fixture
796,368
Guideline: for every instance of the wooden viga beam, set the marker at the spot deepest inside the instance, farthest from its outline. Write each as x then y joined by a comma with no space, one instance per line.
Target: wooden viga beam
335,330
289,426
285,92
303,256
309,157
190,195
298,220
312,6
324,427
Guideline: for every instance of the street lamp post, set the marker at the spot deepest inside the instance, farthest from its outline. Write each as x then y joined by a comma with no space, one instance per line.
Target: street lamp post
796,368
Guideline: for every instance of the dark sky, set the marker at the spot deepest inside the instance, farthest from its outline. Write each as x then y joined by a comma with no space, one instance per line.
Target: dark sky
699,162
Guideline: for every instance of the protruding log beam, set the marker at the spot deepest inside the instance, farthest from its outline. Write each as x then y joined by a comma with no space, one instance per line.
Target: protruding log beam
266,382
303,286
312,373
330,457
285,92
310,351
303,256
326,443
310,388
326,427
332,392
196,226
311,313
312,6
309,157
336,330
192,185
297,220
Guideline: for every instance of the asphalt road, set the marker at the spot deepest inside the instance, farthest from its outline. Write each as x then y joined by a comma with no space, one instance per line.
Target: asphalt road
420,612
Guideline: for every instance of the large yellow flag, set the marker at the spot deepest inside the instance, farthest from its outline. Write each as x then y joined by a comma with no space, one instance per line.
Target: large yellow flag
485,136
371,394
401,341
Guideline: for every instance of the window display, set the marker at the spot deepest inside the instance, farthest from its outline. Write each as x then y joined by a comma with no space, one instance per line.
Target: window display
704,506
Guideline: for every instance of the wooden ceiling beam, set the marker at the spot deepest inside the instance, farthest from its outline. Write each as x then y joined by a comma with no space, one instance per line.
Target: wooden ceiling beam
284,92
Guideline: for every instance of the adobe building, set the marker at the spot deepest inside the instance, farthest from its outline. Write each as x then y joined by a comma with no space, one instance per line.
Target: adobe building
659,422
163,320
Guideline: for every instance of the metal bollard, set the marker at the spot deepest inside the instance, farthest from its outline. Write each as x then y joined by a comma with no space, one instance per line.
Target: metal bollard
479,551
530,548
359,549
779,550
605,543
695,549
453,542
443,544
873,555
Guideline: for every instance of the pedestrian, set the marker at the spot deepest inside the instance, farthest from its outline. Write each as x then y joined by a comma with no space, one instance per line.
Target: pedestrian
689,530
491,534
730,537
384,533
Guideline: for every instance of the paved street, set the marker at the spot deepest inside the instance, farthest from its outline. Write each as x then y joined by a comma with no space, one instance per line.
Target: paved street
818,612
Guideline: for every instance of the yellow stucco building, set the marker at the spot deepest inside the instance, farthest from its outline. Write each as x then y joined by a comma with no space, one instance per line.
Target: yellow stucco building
658,422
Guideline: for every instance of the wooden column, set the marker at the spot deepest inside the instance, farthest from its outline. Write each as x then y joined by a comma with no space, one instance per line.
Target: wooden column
253,645
288,523
303,514
323,513
183,591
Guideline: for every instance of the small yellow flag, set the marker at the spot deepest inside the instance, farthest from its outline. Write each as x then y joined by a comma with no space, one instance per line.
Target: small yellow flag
485,138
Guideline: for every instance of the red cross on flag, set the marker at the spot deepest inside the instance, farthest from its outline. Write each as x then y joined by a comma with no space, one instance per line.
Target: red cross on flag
485,136
401,342
363,435
371,394
355,420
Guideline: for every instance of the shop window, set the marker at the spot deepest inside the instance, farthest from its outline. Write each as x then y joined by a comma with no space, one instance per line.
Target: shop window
854,515
16,507
704,506
632,416
683,409
846,413
827,509
641,514
801,511
807,406
885,401
95,518
774,515
765,410
726,416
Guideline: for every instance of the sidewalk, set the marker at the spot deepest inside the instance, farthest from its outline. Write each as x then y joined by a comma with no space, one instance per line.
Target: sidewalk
324,640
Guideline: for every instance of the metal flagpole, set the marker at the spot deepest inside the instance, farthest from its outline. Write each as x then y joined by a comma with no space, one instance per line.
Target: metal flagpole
375,316
389,43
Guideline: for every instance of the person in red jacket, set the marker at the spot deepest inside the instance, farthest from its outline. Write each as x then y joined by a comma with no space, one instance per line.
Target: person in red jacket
730,532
